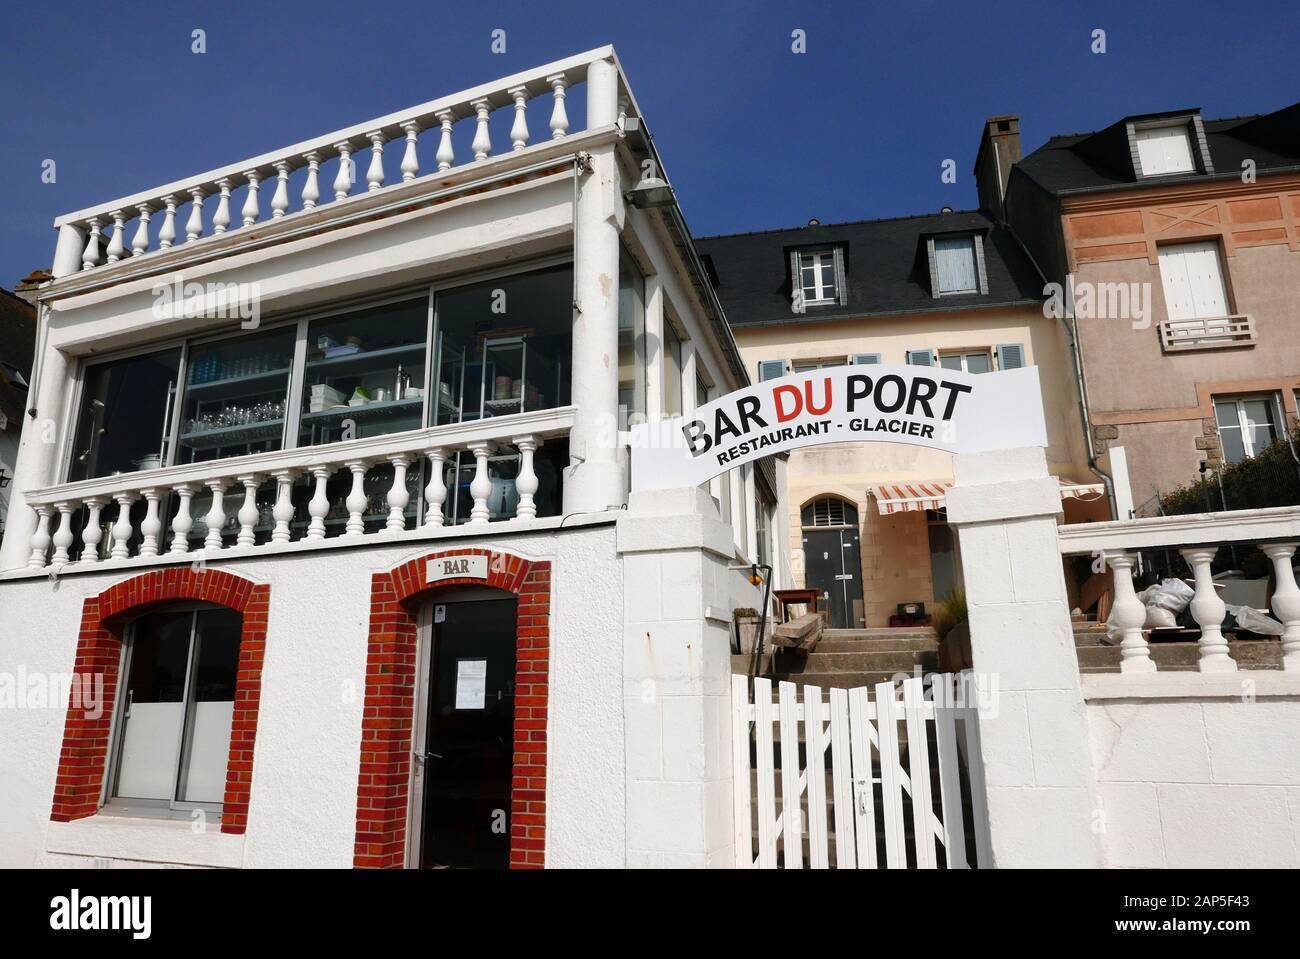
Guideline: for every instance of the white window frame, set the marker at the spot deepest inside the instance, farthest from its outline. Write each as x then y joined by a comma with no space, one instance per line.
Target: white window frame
808,365
825,289
1243,426
964,357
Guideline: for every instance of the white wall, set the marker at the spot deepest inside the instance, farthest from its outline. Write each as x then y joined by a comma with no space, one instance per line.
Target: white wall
303,803
1196,771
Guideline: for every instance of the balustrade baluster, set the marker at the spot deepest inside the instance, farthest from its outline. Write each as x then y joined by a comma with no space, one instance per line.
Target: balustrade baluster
1208,610
280,201
63,535
167,235
357,500
481,487
40,537
398,495
92,534
526,482
140,242
319,506
248,514
151,527
375,172
559,117
410,161
1128,614
194,225
283,510
482,144
215,518
343,182
1286,601
446,154
182,522
251,211
90,258
221,219
311,189
519,129
122,526
117,245
435,493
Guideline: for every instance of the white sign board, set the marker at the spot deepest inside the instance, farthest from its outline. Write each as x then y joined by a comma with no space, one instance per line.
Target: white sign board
471,683
455,567
914,405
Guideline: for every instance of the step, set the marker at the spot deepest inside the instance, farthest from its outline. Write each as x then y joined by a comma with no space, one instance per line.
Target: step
874,661
883,632
851,644
839,680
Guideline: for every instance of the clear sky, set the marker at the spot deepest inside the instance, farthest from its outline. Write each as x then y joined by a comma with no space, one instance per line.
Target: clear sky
753,135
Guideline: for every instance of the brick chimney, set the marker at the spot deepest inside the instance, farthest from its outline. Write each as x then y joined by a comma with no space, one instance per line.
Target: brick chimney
999,149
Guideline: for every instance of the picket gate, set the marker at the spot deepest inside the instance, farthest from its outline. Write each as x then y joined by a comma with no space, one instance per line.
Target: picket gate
875,795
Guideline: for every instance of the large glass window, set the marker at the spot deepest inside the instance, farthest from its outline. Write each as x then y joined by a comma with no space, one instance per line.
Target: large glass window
235,393
178,701
672,371
364,374
1247,424
631,335
124,423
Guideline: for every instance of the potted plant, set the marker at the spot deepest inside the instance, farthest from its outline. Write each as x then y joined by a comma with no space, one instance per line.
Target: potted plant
952,625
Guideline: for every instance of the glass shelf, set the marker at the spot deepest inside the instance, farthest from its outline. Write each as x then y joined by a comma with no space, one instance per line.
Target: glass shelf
360,359
234,435
367,409
239,385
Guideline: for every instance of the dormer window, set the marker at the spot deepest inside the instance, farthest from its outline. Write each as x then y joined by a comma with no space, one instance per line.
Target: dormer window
956,264
817,277
1165,148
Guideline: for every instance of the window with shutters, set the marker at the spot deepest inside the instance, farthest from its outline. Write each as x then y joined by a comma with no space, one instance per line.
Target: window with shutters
920,357
829,511
1192,277
1165,149
955,268
818,275
1247,424
1009,356
968,361
807,366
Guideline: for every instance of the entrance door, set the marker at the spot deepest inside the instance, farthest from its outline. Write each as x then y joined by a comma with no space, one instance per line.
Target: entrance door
468,742
832,565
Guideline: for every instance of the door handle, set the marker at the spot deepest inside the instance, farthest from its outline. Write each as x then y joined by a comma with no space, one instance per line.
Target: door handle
130,701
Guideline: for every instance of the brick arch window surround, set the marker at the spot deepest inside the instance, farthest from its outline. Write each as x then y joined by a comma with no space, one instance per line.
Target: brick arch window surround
85,753
383,787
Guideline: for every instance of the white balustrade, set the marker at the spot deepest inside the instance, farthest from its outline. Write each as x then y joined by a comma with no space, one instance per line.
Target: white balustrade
1286,601
122,526
435,493
357,499
63,535
438,117
282,512
248,512
398,495
93,532
215,518
526,482
41,538
1128,614
182,522
151,525
481,486
319,506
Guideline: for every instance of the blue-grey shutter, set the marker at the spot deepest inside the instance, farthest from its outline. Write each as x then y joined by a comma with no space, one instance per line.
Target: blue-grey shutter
920,357
1011,356
841,283
954,258
858,359
770,369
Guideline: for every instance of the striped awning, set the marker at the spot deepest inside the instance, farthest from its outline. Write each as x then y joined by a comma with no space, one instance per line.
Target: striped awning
917,495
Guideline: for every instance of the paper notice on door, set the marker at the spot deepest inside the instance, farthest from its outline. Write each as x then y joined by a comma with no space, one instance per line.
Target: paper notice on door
471,683
439,614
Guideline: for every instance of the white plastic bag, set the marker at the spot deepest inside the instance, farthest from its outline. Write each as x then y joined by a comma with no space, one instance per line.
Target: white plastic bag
1163,603
1253,620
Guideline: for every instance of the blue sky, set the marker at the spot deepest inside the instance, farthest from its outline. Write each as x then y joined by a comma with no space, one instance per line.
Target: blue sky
753,135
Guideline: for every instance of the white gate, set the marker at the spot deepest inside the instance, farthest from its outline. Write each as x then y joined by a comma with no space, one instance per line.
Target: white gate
873,802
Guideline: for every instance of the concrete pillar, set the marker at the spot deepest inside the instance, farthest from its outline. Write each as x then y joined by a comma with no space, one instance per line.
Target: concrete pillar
1036,758
653,350
37,462
68,250
676,679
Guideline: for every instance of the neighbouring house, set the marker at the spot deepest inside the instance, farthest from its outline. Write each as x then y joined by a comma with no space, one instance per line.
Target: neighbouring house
334,539
1176,242
953,290
17,345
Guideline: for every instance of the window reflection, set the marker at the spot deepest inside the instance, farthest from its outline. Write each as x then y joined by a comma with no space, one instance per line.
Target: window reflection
124,421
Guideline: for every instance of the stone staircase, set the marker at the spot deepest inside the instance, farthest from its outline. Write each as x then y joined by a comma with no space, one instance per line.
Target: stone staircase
1174,651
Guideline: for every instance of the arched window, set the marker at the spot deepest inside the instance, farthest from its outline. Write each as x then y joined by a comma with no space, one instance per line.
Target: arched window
830,511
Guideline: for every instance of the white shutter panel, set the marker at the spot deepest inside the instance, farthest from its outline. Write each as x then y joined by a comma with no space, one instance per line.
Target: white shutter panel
1011,356
1174,277
841,284
796,283
770,369
1209,297
920,357
858,359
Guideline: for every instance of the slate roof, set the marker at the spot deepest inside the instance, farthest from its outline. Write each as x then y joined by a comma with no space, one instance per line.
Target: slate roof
1094,162
885,267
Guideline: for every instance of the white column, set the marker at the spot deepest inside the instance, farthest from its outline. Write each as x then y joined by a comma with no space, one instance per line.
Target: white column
526,482
446,154
559,116
63,535
280,199
410,158
375,172
122,526
343,182
151,526
215,519
481,486
221,219
357,500
117,245
311,189
182,522
1286,602
194,225
140,242
1128,614
68,250
92,534
435,493
251,209
519,129
594,478
1004,506
40,538
398,495
167,233
482,144
90,257
248,513
1208,610
654,348
319,506
283,510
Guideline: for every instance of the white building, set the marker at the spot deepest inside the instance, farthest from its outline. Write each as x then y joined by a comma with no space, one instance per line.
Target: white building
327,485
